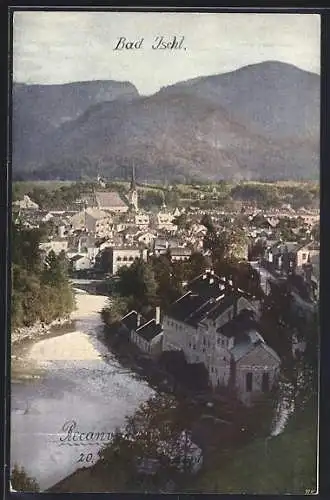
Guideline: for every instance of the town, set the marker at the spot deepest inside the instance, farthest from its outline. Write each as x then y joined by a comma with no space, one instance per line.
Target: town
112,232
216,305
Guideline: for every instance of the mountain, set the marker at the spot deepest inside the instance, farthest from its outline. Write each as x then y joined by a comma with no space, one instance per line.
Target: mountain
277,99
261,121
39,109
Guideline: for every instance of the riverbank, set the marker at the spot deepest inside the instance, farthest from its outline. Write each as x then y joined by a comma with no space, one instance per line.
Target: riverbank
231,426
38,330
68,376
86,304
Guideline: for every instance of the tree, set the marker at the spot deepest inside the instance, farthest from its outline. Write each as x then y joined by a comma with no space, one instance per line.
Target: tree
20,481
151,434
196,265
25,248
169,279
256,250
117,308
172,198
54,268
316,232
138,281
40,290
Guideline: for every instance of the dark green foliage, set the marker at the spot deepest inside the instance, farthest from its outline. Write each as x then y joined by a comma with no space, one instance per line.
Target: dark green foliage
257,250
193,376
52,197
151,433
40,288
150,199
265,195
138,281
117,308
20,481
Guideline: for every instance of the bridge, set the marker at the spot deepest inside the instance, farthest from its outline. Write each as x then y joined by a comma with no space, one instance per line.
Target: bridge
87,286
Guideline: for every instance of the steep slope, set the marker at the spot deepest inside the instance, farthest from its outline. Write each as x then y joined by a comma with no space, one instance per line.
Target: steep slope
39,109
258,122
278,99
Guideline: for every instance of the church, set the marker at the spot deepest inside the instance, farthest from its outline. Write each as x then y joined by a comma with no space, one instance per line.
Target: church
133,193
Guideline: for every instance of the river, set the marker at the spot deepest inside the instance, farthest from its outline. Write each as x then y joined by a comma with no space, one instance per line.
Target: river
70,376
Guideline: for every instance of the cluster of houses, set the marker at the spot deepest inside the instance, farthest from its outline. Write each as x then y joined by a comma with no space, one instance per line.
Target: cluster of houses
109,221
113,222
215,324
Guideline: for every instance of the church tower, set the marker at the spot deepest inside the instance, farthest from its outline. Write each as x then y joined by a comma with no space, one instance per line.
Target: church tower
133,194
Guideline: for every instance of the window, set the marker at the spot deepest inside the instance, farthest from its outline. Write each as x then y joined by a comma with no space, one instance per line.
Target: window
248,382
265,382
304,256
125,258
131,258
194,347
118,258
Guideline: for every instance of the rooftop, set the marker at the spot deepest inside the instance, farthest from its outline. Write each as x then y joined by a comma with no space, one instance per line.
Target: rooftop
109,199
131,320
149,330
244,321
193,308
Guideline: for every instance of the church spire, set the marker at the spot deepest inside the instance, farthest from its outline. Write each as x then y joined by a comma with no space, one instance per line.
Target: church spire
133,194
133,183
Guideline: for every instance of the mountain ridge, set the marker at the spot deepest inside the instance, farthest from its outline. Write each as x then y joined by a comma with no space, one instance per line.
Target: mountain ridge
260,121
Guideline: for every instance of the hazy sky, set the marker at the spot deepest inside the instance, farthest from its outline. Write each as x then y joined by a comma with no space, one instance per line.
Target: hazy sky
60,47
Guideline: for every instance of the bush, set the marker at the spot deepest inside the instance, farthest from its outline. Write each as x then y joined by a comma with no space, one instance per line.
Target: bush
20,481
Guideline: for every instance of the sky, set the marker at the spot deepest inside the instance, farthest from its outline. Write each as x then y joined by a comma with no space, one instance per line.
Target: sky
64,46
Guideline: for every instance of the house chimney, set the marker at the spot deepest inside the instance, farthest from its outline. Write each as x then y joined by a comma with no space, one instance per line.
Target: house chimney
138,320
157,315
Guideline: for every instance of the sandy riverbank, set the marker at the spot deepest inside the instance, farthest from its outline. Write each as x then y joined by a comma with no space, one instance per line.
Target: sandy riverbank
69,376
86,305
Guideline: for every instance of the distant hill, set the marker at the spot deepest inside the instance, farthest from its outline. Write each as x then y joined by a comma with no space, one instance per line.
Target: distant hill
277,99
39,109
261,121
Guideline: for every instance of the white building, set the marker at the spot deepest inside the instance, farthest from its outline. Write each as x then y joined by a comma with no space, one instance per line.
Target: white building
81,262
180,253
26,203
164,221
148,335
142,220
92,220
146,238
125,256
57,245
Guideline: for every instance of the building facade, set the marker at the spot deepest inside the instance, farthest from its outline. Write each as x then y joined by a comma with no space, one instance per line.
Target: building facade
125,256
215,325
